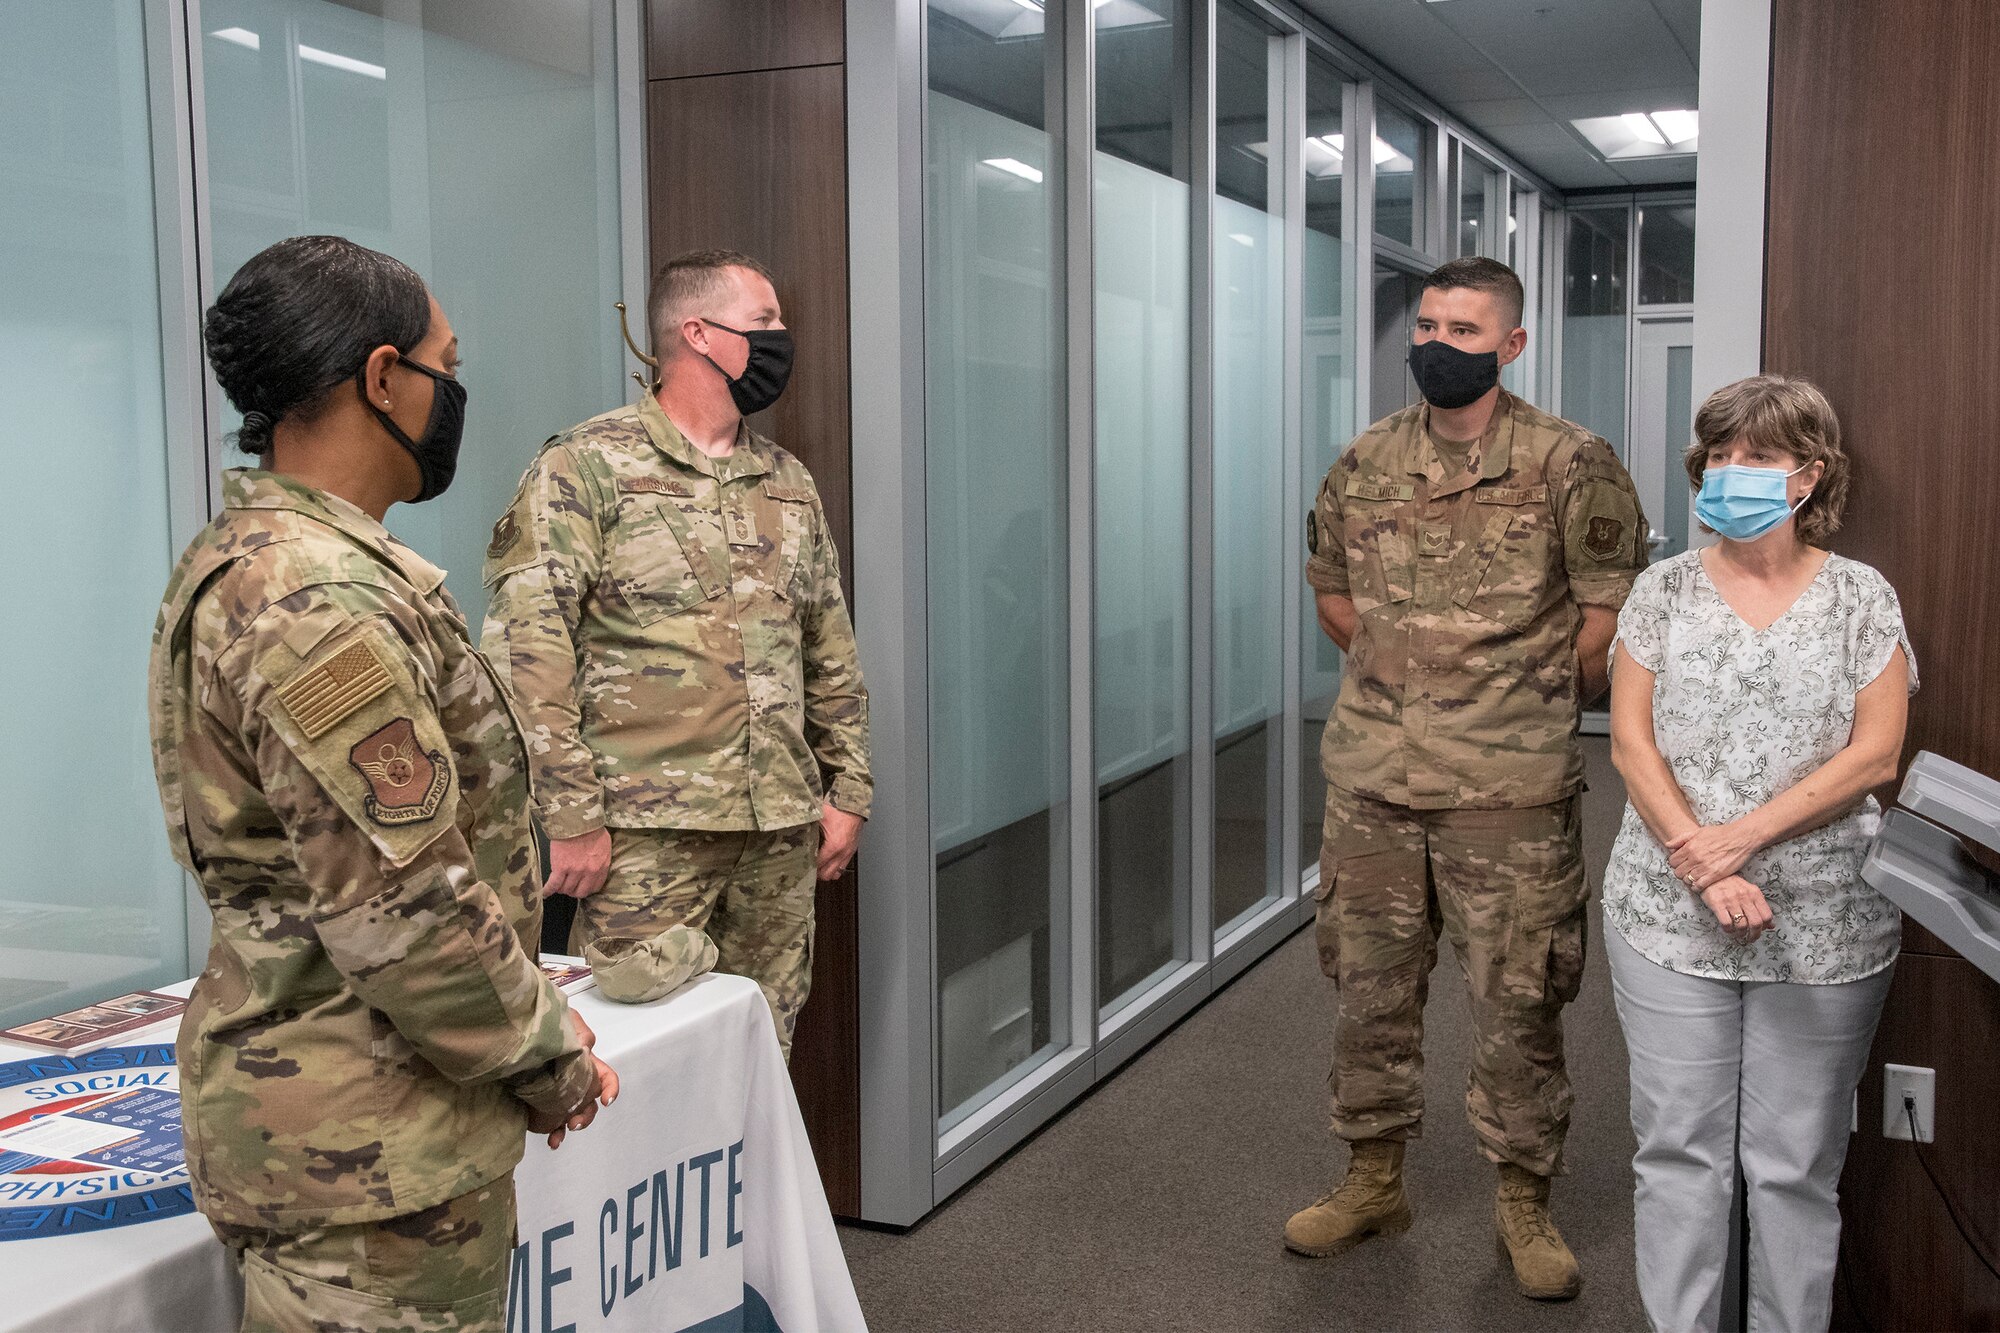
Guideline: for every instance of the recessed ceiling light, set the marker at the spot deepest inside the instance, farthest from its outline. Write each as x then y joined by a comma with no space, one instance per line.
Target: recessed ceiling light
1678,126
1641,126
1641,134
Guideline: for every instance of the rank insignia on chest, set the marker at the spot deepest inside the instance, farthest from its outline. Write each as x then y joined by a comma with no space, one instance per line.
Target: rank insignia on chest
405,781
742,527
1601,539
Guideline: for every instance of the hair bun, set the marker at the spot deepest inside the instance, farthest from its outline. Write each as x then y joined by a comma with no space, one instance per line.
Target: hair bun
255,435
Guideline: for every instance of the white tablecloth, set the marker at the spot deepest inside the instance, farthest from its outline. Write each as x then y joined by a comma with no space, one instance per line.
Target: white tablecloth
692,1203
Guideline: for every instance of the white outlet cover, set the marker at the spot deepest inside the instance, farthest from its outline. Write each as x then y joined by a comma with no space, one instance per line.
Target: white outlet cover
1921,1086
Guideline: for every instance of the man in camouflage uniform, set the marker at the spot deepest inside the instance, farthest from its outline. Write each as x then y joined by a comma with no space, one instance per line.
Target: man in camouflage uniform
1469,555
371,1034
666,599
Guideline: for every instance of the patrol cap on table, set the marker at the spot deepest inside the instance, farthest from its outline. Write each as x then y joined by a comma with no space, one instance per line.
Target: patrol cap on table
633,969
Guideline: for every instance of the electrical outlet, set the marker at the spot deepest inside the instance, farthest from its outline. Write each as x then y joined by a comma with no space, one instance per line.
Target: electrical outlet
1919,1086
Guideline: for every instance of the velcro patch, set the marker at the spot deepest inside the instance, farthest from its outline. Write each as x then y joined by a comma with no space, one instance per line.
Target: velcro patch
1510,495
405,781
1601,539
655,486
1362,489
505,533
320,696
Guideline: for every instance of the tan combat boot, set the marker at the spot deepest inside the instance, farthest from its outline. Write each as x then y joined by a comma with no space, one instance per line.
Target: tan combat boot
1368,1203
1544,1268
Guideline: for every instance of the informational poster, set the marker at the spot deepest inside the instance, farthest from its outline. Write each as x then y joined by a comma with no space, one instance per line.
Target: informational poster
90,1141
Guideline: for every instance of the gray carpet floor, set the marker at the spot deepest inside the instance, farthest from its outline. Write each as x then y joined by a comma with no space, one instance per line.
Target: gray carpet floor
1157,1202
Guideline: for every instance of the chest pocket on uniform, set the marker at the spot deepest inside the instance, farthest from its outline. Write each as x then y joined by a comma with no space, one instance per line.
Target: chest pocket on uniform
657,564
1381,550
1505,575
794,506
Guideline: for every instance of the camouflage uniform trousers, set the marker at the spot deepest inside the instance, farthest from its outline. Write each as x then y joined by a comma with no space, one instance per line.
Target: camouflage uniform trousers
1508,887
752,893
444,1268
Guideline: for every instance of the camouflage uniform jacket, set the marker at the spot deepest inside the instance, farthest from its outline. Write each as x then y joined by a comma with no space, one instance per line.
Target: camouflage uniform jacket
674,627
340,770
1460,688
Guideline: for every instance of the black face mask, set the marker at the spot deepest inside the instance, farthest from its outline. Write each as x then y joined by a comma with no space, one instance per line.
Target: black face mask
1450,378
764,374
437,452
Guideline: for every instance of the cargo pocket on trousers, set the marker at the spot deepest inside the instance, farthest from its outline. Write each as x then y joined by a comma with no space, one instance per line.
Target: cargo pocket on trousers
1326,922
1546,962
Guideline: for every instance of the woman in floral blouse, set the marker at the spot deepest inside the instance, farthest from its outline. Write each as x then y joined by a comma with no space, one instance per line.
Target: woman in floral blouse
1759,692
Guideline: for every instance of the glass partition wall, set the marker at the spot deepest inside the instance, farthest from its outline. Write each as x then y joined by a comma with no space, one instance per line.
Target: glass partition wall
1147,334
1247,464
1143,626
154,146
997,509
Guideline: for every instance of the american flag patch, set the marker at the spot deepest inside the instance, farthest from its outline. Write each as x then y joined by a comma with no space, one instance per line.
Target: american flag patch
320,696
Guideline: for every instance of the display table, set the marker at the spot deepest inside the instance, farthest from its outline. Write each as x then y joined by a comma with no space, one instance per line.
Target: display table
692,1203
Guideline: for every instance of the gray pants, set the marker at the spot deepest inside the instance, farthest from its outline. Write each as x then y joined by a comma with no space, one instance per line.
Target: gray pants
1774,1062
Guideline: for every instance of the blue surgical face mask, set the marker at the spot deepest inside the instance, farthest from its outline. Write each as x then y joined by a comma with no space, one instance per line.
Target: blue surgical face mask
1743,503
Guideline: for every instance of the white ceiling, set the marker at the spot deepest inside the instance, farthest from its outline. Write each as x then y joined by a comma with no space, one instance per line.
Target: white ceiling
1518,71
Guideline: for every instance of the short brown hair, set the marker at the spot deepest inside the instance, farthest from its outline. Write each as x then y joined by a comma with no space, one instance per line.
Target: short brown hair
688,283
1480,274
1791,416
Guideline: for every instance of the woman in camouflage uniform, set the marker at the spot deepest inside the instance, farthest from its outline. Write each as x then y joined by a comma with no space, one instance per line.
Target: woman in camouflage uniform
371,1036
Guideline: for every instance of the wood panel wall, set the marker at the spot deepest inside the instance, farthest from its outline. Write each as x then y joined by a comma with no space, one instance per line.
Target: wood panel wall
746,150
1883,282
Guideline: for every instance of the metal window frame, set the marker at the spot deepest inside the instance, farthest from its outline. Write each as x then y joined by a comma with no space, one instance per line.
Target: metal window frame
907,1165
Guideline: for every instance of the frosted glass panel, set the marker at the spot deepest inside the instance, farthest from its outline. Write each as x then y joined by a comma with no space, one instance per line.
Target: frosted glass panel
996,544
1595,333
479,147
1142,571
1250,573
91,904
1248,467
1328,412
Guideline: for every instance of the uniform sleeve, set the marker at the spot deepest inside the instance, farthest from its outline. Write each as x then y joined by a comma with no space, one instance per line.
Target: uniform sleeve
337,711
544,560
1326,538
1603,529
836,701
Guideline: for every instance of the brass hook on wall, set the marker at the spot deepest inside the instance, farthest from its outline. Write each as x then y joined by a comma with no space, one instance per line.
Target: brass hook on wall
625,328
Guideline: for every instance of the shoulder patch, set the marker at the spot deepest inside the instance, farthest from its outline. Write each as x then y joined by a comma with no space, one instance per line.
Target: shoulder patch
405,781
319,696
1603,537
513,545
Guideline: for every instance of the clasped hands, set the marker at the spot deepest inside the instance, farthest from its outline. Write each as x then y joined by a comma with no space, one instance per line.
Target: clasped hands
602,1092
1708,860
